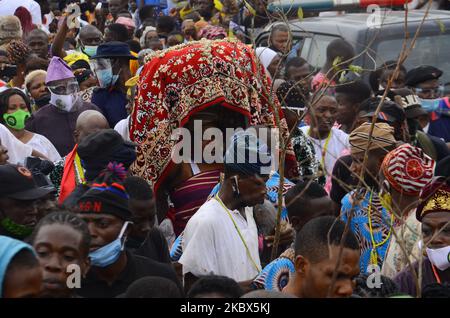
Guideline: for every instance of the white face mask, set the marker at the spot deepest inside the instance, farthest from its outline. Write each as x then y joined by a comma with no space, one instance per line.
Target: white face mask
439,257
63,102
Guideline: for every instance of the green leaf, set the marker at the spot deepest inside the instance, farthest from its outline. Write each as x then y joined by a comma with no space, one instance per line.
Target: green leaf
300,13
336,63
355,68
441,25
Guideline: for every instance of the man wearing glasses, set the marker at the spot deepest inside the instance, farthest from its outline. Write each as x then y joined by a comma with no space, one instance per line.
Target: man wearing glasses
424,80
57,120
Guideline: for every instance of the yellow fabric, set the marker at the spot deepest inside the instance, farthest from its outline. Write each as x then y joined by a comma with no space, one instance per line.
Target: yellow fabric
218,5
184,12
75,56
134,64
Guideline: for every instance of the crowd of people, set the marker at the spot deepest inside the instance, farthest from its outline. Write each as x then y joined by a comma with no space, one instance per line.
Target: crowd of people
106,190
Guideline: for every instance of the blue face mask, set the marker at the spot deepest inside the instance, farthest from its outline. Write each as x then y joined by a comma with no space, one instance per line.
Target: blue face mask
106,78
109,254
89,50
430,105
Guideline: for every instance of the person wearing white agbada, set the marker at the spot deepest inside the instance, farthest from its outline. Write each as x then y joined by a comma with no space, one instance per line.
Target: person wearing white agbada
221,238
270,60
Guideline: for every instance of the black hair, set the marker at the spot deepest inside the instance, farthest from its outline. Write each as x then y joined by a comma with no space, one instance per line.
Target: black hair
176,32
388,287
355,91
36,63
146,12
165,24
262,293
65,218
436,290
297,204
339,48
389,107
443,168
137,188
313,239
374,77
120,31
124,11
4,100
69,41
134,46
289,94
23,259
194,15
36,31
294,62
152,287
224,286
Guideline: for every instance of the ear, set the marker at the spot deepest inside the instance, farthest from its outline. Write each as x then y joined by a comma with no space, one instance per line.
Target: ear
86,266
76,134
301,265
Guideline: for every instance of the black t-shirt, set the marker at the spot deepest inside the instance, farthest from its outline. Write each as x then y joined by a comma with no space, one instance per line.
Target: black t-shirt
154,247
137,267
342,179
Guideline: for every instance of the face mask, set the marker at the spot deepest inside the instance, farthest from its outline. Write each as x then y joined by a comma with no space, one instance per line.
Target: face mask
108,254
63,102
16,230
439,257
106,78
430,105
17,119
42,101
89,50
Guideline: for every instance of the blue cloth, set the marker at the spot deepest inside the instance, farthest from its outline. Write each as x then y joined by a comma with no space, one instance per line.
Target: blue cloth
9,247
177,250
275,276
440,122
360,226
112,103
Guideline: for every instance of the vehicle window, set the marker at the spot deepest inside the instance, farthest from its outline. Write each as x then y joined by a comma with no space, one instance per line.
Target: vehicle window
318,49
428,50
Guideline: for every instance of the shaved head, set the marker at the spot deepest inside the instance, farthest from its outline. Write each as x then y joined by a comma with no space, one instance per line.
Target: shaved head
88,122
89,28
90,35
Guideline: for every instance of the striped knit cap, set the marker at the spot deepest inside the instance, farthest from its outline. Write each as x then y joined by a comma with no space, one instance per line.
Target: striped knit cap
408,169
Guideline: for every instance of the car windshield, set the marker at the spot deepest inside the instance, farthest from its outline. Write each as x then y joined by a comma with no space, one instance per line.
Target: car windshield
428,50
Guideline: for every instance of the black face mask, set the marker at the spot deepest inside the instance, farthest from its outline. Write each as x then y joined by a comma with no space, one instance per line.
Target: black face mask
42,101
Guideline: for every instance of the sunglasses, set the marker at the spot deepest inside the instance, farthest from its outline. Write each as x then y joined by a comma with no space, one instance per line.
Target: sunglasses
64,89
437,91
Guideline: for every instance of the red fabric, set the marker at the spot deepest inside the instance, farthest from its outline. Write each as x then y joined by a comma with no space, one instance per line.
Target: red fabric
185,79
68,182
25,19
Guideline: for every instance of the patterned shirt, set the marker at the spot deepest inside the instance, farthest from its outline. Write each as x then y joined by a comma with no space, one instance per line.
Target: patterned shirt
409,233
357,202
306,156
275,276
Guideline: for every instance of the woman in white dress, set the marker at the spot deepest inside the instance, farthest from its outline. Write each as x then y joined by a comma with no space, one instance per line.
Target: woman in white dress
14,111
